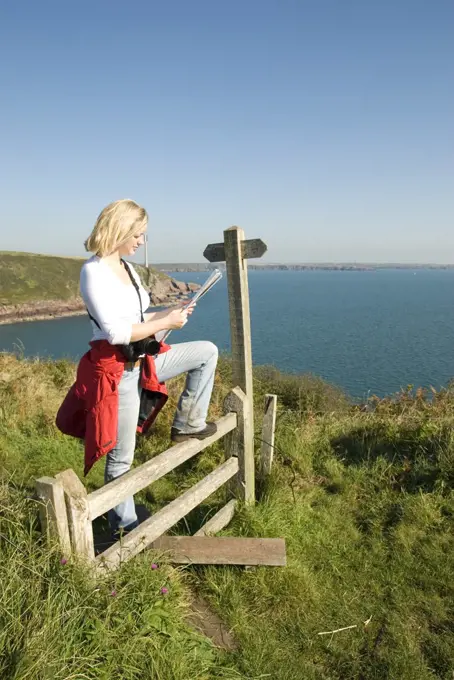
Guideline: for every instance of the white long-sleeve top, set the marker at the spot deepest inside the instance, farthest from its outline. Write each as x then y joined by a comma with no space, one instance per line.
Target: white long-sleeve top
114,305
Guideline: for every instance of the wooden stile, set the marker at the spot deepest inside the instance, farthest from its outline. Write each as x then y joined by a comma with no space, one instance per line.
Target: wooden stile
67,511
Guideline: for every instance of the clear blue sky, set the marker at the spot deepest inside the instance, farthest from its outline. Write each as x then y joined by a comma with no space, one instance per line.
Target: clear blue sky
326,127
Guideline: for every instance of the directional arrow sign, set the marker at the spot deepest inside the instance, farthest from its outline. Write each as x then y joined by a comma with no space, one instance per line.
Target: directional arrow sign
252,248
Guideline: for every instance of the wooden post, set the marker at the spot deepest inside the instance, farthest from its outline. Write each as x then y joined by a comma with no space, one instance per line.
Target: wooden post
80,526
269,425
240,322
52,512
240,443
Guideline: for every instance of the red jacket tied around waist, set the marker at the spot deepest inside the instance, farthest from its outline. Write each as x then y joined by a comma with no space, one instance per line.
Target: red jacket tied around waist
90,409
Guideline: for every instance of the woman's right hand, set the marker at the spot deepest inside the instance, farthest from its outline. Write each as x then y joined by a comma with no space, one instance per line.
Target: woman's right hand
176,318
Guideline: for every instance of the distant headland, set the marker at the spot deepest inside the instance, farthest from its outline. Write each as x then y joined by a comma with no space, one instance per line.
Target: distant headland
298,266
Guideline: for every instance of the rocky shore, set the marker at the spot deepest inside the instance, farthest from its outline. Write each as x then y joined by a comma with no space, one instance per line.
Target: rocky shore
163,292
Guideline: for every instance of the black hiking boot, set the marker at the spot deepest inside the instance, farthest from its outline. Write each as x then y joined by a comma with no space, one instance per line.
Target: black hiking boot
208,431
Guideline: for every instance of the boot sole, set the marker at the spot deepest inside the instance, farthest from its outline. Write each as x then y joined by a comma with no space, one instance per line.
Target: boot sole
178,438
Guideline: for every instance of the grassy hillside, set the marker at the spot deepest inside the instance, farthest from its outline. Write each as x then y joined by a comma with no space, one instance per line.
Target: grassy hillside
364,498
26,277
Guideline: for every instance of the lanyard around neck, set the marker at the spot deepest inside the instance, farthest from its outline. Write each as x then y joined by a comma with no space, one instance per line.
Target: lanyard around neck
134,283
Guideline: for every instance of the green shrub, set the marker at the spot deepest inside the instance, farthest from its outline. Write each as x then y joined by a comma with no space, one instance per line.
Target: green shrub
301,393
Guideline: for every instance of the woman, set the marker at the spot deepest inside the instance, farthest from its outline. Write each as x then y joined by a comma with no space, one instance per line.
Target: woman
115,300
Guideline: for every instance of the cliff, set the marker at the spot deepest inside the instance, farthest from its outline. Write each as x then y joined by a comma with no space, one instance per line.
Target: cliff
34,287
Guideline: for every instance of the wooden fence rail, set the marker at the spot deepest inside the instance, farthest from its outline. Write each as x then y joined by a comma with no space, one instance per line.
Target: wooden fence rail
101,500
157,524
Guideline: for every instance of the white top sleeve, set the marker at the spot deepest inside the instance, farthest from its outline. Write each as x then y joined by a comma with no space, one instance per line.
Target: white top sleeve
113,304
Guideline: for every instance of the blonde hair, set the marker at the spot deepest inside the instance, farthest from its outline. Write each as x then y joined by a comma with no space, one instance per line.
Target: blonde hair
115,225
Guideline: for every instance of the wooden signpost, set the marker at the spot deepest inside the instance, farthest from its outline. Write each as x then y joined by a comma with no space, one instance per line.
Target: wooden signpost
236,251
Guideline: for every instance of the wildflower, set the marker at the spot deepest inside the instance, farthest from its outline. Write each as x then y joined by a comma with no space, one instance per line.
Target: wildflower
113,593
154,566
63,561
164,591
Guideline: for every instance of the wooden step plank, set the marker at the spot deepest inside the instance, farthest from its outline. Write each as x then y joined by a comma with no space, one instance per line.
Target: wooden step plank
223,550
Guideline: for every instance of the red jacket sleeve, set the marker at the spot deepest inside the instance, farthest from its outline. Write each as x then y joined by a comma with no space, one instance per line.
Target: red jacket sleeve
71,414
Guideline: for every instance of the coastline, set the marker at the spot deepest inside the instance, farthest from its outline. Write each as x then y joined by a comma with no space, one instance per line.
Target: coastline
46,310
41,316
41,310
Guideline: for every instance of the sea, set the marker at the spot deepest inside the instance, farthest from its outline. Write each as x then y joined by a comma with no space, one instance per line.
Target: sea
369,332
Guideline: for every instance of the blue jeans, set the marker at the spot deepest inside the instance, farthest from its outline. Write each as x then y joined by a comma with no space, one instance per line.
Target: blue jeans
198,360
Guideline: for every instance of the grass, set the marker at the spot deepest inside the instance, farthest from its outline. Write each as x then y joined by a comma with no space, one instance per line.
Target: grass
363,497
26,277
57,624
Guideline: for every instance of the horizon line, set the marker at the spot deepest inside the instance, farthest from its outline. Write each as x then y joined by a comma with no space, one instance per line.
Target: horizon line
259,263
